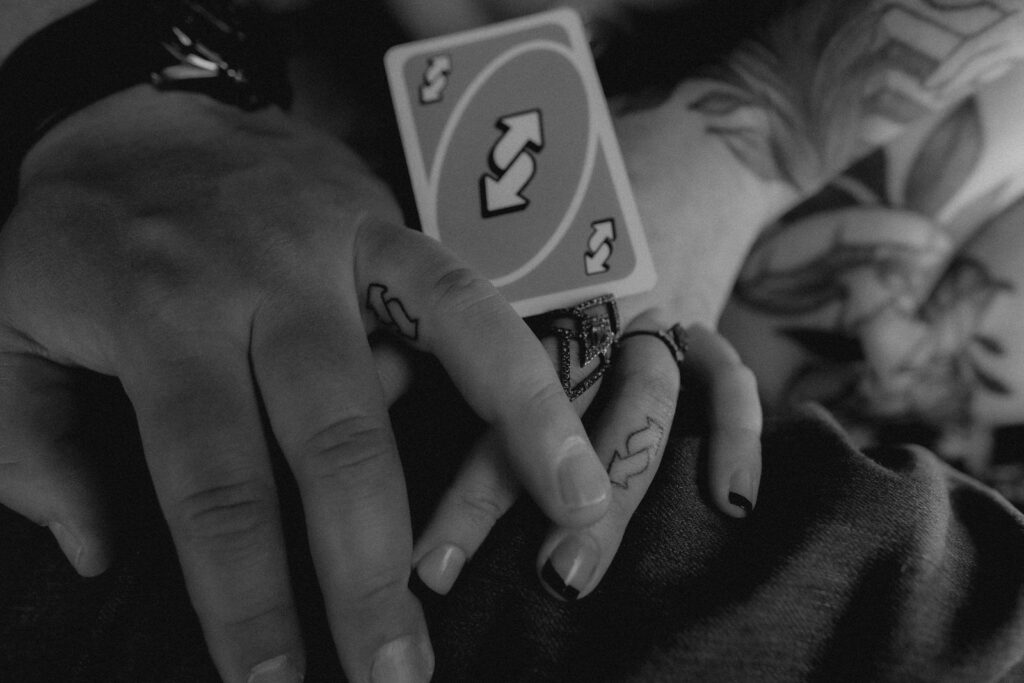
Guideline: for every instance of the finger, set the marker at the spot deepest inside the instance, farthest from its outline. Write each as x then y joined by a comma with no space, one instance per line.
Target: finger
395,368
419,290
315,371
204,443
734,459
44,474
630,436
484,488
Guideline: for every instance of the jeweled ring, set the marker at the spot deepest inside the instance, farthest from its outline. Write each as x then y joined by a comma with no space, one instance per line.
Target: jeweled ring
675,338
595,326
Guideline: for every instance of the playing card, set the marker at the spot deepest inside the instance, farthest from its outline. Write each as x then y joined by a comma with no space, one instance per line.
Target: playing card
514,161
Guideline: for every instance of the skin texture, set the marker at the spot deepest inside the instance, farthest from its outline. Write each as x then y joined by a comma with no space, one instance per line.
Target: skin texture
870,296
218,263
190,203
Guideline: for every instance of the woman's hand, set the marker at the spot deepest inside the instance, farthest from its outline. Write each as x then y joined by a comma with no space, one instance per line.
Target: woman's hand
721,155
228,267
641,391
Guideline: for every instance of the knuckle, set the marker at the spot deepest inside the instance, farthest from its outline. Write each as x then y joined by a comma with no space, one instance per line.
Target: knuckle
546,395
540,399
737,389
483,504
745,378
461,289
740,378
376,585
661,390
232,518
345,448
247,616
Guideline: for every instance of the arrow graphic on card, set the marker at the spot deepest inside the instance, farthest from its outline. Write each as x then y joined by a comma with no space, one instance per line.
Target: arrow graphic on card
512,163
435,79
600,248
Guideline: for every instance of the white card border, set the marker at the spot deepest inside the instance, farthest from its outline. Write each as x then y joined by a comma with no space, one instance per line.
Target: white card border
643,276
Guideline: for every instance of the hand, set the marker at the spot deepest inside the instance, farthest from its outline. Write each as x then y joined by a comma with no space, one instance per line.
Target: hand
227,266
630,434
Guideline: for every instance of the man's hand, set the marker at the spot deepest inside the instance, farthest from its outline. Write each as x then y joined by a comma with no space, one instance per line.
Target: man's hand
228,267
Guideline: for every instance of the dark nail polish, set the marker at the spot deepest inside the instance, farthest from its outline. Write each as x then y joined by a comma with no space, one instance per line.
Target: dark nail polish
741,502
570,568
555,583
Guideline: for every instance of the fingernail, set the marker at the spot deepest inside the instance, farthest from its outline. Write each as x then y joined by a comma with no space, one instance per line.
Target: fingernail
69,543
741,492
280,669
582,480
571,566
441,567
403,660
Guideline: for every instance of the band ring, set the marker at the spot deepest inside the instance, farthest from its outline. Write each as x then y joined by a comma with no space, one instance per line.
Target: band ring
674,338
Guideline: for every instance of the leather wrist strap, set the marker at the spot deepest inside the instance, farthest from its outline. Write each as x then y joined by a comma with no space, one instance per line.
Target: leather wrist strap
204,46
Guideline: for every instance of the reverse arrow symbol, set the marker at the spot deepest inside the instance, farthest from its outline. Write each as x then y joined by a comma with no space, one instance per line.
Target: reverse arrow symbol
641,448
599,247
521,131
512,164
502,194
435,79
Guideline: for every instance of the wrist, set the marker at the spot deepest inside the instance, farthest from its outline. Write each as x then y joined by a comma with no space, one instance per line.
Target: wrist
108,46
136,121
20,19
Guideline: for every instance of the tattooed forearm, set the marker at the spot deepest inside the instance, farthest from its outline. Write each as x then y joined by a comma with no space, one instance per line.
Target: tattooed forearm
894,296
637,454
829,80
391,312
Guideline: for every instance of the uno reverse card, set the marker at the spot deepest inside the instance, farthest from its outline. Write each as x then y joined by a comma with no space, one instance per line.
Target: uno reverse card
514,162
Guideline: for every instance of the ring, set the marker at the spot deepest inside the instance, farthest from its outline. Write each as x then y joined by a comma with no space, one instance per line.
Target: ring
675,338
595,327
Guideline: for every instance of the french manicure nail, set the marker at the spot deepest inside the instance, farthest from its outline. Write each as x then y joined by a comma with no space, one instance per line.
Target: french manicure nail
403,660
741,493
69,543
441,567
582,481
571,566
280,669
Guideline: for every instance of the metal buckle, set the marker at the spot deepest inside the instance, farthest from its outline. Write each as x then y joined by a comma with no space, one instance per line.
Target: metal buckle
215,54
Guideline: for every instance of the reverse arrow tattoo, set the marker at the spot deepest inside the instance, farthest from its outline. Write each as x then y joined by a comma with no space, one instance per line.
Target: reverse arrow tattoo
391,312
637,455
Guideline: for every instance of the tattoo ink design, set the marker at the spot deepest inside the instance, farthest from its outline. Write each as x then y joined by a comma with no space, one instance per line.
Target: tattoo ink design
640,448
787,107
885,285
390,311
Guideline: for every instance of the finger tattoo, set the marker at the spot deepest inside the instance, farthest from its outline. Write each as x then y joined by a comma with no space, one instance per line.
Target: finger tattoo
391,312
637,455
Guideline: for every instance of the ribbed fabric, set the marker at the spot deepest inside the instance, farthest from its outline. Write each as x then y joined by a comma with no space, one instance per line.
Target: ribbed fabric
881,566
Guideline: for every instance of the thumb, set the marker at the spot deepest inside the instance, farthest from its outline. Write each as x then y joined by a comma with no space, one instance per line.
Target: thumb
45,476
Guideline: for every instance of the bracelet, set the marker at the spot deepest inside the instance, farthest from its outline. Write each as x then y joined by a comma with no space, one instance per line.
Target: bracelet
204,46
